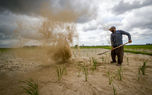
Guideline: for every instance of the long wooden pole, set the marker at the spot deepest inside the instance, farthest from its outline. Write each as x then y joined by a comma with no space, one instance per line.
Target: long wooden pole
113,48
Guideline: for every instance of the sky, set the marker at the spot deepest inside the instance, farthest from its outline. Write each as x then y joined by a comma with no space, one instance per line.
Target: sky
133,16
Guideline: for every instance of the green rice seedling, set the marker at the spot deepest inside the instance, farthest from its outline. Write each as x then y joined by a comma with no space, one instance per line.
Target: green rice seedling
30,87
102,59
120,73
94,64
79,69
60,71
114,90
85,70
90,59
127,61
110,78
78,74
143,68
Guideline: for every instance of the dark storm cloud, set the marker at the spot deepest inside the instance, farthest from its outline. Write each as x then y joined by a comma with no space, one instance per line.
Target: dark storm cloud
34,7
22,6
6,32
123,7
13,10
7,25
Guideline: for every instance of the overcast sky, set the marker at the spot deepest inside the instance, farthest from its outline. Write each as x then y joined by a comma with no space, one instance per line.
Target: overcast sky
133,16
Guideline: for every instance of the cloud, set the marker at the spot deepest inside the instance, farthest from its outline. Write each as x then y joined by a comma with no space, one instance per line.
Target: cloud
140,18
141,36
35,7
29,11
136,21
123,6
90,26
7,26
22,6
133,16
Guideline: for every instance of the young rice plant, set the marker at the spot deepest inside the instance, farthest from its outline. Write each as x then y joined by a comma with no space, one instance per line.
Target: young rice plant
30,87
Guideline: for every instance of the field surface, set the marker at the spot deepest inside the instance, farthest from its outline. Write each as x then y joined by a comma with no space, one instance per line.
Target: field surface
86,73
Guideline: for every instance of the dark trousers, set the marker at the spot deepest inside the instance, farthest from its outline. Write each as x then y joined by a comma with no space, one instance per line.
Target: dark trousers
119,52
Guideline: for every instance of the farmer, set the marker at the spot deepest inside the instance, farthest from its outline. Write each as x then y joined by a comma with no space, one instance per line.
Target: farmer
116,40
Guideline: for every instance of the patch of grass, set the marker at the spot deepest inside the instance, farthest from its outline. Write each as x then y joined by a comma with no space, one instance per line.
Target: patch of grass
105,47
102,59
114,90
60,71
79,69
141,70
85,71
94,61
120,74
138,46
138,52
126,47
30,87
110,78
127,61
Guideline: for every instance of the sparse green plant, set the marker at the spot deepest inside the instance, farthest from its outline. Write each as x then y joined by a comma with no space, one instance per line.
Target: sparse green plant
141,69
85,70
127,61
102,59
114,90
30,87
94,61
60,71
110,78
120,73
79,69
90,59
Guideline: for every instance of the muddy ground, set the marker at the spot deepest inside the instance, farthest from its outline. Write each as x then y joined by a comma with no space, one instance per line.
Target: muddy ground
32,64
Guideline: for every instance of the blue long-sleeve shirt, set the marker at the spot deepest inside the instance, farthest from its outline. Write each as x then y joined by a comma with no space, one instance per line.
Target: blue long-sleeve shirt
116,37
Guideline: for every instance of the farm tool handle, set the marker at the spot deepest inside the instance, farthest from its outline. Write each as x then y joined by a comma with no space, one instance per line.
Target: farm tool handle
120,46
113,48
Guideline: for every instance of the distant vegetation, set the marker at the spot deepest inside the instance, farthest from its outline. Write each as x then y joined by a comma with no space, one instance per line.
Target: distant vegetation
137,49
127,47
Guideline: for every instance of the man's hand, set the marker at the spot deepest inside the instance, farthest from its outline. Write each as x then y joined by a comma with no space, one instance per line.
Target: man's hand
130,41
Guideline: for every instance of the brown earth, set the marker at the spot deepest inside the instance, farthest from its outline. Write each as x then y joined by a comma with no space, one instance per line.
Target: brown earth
15,68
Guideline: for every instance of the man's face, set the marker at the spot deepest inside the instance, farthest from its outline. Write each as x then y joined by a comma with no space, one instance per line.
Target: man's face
112,30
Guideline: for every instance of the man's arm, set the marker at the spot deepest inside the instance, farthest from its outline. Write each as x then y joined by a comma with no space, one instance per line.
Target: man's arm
128,34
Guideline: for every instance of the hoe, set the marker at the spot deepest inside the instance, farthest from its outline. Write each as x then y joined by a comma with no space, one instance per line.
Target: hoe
113,49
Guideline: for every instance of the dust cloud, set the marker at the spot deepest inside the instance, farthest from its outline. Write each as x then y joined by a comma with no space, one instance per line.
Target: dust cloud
55,32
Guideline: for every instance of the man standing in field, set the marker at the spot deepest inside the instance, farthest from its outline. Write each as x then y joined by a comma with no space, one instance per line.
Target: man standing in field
116,40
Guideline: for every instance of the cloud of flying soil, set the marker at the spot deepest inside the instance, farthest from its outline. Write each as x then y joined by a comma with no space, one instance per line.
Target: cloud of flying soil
56,31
